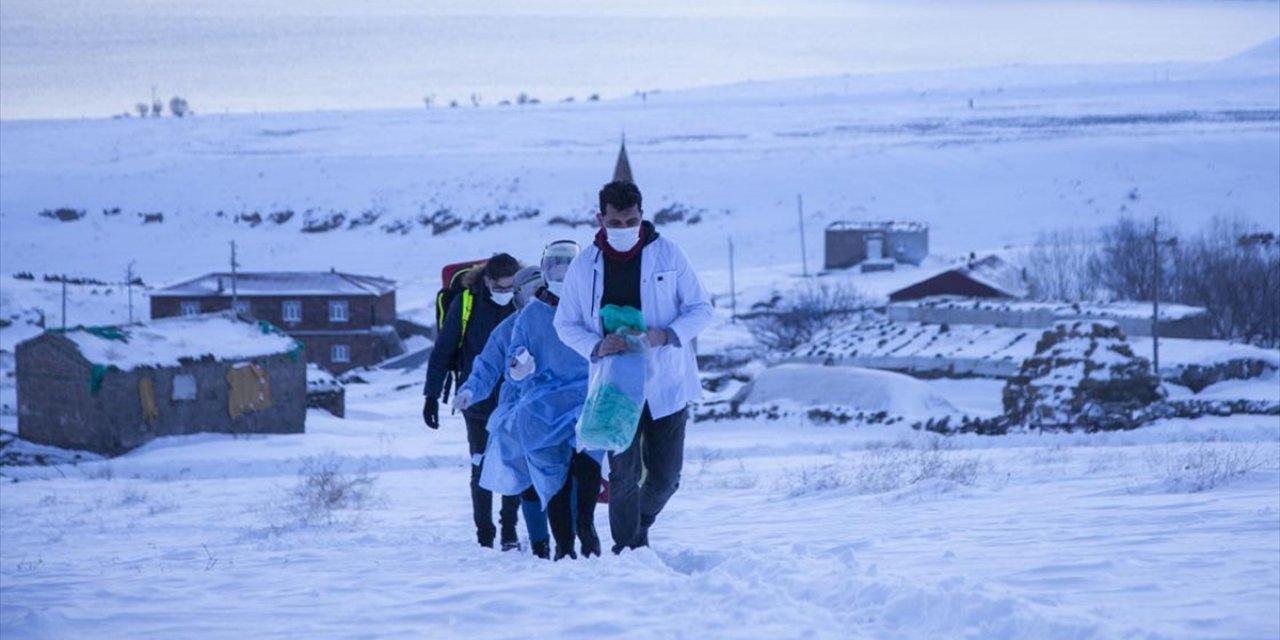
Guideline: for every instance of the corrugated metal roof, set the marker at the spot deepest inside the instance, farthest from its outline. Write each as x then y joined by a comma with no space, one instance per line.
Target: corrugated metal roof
277,283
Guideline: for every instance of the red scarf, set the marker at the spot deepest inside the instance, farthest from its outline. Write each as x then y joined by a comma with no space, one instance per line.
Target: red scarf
602,241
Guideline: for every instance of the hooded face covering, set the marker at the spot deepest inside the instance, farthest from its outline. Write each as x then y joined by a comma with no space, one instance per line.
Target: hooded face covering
555,263
622,239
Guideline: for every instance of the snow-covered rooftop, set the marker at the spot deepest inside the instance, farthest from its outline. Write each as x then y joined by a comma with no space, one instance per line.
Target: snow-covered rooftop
275,283
162,342
882,225
996,273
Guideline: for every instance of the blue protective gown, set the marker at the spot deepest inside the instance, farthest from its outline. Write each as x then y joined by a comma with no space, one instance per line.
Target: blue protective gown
504,471
550,400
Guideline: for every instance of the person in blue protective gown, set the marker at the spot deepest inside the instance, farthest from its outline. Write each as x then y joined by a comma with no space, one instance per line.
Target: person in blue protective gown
504,471
553,386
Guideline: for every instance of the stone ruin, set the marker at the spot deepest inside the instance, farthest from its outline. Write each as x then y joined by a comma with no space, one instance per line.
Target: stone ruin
1083,375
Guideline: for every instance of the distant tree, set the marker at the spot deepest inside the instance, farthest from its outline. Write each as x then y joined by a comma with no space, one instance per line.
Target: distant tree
1234,271
595,97
475,99
1061,265
522,99
1125,264
142,109
794,320
428,100
178,107
453,104
157,108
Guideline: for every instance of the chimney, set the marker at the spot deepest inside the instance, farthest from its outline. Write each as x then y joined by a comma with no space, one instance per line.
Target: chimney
622,170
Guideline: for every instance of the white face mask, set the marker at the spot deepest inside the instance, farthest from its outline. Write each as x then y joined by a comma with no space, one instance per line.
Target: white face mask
623,239
501,299
554,288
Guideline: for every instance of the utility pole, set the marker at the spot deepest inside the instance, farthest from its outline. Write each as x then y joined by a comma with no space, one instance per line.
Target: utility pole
64,303
1157,268
1155,296
235,298
128,279
804,257
733,289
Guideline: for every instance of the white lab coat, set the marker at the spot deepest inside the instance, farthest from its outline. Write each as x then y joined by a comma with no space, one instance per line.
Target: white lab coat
671,296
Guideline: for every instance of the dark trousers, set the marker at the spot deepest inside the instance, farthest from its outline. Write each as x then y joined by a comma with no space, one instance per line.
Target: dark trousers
482,499
560,510
657,455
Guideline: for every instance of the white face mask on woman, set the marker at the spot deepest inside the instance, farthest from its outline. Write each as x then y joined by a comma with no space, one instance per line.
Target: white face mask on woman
622,239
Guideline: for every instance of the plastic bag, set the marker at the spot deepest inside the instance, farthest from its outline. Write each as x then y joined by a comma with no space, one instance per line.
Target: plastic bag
615,393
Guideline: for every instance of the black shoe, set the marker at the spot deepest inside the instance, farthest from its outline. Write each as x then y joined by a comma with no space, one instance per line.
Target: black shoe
511,545
565,553
542,549
485,542
590,542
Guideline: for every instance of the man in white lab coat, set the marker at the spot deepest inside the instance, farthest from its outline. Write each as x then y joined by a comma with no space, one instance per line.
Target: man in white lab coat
630,264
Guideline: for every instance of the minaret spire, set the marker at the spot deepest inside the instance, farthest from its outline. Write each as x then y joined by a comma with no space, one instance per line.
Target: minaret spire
622,170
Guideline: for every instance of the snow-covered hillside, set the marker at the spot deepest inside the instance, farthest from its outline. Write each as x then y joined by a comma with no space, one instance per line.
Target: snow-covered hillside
1041,147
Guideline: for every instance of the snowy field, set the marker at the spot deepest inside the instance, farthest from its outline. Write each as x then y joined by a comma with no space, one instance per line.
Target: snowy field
781,528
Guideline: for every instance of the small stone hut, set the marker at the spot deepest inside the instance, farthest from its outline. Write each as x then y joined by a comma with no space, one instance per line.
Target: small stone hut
112,389
875,246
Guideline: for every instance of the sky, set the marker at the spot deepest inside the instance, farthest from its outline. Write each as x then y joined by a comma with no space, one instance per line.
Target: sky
70,59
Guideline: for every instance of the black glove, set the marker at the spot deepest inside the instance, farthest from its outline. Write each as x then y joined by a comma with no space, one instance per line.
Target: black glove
431,413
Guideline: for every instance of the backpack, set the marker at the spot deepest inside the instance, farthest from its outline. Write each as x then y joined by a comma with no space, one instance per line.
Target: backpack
452,278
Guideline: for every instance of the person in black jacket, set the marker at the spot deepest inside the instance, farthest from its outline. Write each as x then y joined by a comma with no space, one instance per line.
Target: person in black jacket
472,316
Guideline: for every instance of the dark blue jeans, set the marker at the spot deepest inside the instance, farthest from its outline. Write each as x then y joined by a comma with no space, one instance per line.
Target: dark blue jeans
657,455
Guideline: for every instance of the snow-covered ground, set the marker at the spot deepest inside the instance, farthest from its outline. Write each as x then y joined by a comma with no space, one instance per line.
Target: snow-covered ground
781,528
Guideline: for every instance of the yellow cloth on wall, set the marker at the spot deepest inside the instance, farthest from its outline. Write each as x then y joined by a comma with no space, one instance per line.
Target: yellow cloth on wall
250,389
147,396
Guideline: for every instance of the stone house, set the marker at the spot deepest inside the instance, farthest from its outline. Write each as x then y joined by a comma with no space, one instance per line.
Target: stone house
112,389
344,320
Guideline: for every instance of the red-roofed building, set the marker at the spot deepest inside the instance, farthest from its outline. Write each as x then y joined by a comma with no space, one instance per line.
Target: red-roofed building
344,320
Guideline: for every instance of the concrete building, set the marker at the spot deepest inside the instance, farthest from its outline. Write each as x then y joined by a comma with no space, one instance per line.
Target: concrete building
112,389
875,246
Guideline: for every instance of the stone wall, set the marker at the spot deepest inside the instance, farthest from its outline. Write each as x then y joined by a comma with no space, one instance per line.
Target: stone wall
1188,327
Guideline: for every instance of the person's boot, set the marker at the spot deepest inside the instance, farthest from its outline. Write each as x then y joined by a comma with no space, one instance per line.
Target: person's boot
565,552
542,549
511,545
590,542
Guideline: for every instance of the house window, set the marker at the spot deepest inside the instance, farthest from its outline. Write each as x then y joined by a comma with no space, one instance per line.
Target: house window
340,353
191,307
184,387
292,311
241,306
337,311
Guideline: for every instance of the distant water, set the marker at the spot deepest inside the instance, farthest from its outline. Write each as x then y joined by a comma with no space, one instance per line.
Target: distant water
71,58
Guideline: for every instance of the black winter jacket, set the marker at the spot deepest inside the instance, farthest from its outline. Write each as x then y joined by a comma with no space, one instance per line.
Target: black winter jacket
485,315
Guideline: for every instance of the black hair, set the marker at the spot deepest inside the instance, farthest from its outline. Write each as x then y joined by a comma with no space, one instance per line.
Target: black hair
622,195
501,265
